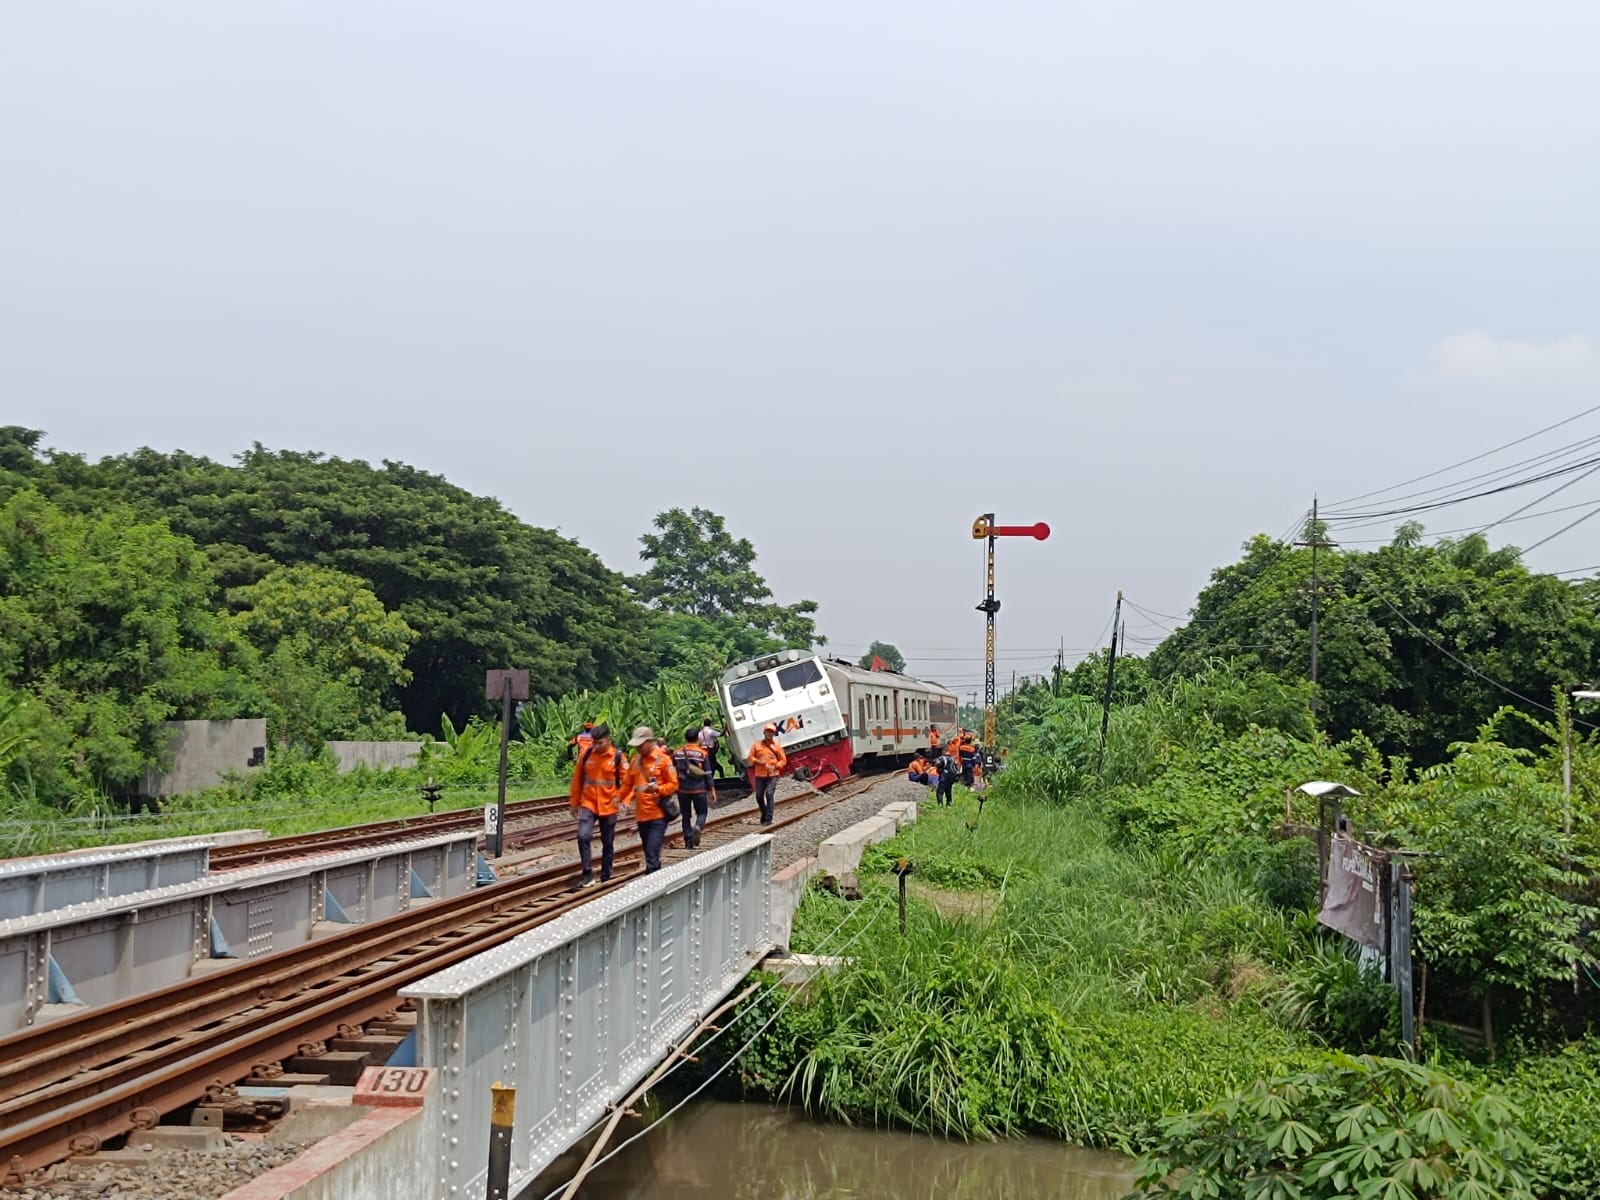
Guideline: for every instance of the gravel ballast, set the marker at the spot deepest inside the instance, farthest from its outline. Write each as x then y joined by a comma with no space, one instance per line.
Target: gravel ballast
170,1174
801,839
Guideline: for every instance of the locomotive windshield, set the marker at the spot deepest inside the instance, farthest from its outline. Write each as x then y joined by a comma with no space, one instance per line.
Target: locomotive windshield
797,675
747,691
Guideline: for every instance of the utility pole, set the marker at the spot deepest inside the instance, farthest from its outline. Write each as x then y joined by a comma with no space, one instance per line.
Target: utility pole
1111,674
1316,542
1061,666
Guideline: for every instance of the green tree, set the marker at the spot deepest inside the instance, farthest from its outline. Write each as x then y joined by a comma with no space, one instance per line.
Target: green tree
338,619
1497,884
333,657
479,587
1417,646
697,568
889,654
108,623
19,450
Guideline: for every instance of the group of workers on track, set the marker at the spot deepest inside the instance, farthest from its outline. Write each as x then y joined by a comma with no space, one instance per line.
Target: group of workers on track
963,759
658,785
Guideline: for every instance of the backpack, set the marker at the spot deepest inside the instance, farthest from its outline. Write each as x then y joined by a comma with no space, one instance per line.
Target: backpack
947,766
583,764
691,765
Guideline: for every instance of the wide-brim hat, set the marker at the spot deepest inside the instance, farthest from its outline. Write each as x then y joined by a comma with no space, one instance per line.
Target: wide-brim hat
641,735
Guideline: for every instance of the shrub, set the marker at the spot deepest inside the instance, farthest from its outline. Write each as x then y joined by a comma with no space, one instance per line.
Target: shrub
1333,994
1364,1127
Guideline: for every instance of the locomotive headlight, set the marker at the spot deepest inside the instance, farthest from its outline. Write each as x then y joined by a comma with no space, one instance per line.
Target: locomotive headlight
822,689
794,656
744,669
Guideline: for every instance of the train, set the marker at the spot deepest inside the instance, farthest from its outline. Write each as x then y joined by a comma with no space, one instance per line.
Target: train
831,715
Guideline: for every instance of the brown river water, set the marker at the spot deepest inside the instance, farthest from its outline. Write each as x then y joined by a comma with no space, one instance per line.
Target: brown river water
749,1152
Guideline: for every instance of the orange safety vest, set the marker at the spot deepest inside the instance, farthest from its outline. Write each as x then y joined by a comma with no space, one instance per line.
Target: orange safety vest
651,763
933,738
768,760
597,782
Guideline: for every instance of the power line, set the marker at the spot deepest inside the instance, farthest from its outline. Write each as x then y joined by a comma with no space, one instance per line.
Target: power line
1554,473
1475,458
1563,529
1443,533
1518,511
1459,487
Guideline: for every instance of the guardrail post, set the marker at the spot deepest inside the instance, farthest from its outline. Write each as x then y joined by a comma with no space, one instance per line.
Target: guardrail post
502,1116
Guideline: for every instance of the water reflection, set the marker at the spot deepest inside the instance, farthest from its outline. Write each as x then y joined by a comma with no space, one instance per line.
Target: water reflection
755,1153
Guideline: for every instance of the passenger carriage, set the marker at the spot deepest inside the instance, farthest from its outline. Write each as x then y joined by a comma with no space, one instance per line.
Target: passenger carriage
829,713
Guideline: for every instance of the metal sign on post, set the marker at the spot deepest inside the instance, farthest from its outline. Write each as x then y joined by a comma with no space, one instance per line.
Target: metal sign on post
504,686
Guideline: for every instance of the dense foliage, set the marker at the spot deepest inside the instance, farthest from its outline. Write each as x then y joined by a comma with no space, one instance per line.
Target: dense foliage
335,598
1353,1127
1414,638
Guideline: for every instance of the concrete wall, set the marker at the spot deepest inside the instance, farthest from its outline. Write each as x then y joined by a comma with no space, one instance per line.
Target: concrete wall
204,751
351,755
385,1154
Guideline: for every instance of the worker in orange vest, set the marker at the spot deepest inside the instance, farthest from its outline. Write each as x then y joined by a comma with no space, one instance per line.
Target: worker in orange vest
919,770
596,795
933,739
650,784
580,740
967,755
767,761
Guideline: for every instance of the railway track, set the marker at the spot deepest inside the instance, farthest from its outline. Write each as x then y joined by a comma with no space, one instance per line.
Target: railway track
523,821
111,1070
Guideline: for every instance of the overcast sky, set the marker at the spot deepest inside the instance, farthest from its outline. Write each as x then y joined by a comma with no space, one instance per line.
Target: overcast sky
848,273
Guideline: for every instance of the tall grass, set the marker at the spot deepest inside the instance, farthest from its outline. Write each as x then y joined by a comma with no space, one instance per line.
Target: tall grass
1060,985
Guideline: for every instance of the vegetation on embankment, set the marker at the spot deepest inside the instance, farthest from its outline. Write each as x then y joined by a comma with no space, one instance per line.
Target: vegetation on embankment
302,789
1052,982
1097,989
1095,961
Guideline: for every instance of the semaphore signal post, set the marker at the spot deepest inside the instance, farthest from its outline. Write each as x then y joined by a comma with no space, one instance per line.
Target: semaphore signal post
984,529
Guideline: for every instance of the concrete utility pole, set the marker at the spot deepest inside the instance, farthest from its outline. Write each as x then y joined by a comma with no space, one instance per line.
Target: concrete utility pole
1111,675
1316,542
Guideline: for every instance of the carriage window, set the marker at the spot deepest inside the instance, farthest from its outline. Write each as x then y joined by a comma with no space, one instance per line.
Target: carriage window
797,675
862,707
748,691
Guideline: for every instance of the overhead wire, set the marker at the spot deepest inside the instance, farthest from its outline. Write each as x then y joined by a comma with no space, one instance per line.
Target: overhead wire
1553,491
1475,458
1442,533
1457,487
1569,525
1554,473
